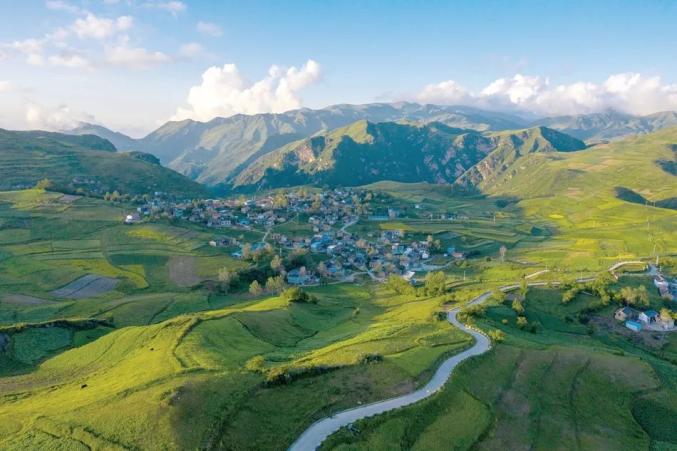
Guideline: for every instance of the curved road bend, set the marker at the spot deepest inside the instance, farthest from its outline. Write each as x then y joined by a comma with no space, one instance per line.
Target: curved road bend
313,437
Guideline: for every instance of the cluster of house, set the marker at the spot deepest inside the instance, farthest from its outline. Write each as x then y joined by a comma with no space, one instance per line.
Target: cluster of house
636,320
329,214
665,288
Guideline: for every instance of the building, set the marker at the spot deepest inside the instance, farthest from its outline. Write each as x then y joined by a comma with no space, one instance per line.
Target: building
298,277
625,313
132,218
634,326
667,323
648,317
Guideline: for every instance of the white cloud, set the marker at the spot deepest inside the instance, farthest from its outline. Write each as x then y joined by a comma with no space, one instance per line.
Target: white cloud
224,92
5,86
60,5
57,118
209,29
72,61
191,49
95,27
173,6
134,57
629,92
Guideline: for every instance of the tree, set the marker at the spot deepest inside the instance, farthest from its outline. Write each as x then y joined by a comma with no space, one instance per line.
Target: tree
498,295
280,200
44,184
247,251
226,276
435,283
502,251
255,288
517,306
629,295
522,322
497,335
665,315
275,284
276,264
295,294
398,285
322,268
569,295
642,295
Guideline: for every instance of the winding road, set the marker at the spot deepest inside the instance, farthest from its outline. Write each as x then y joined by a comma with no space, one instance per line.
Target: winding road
312,438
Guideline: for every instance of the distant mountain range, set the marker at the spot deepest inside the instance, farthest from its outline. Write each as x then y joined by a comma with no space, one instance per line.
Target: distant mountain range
223,150
85,163
366,152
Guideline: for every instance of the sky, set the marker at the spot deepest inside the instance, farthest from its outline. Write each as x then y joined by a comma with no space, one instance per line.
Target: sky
132,65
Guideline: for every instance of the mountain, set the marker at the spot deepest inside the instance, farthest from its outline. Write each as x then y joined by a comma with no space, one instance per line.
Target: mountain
609,125
87,162
510,147
121,141
366,152
635,170
217,151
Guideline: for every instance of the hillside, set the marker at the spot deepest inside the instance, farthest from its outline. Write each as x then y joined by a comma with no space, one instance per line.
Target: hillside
216,151
121,141
510,148
609,125
366,152
84,162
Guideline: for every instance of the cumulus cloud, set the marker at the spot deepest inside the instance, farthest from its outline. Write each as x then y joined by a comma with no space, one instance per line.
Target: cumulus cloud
629,92
55,118
95,27
209,29
224,92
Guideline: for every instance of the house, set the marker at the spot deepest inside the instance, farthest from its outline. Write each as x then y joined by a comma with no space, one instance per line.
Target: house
132,218
625,313
633,326
648,317
298,277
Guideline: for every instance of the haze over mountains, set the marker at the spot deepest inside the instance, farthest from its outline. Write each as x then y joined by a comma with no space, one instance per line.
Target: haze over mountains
218,151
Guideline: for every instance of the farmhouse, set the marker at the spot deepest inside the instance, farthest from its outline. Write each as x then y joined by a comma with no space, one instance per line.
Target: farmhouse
633,326
648,317
132,218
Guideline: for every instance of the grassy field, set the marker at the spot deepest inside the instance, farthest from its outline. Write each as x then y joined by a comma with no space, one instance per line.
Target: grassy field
205,369
566,386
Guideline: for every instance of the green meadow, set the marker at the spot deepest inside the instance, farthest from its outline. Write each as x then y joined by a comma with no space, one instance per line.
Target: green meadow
202,368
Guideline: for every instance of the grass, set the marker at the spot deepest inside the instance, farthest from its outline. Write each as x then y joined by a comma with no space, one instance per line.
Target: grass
560,388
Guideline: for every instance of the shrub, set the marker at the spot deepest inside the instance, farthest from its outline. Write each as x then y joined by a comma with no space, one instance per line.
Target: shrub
497,336
295,294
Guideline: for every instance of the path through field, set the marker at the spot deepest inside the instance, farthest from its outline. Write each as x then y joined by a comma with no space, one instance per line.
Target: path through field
313,437
318,432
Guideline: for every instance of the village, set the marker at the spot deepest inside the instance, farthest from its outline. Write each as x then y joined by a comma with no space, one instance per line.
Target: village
314,223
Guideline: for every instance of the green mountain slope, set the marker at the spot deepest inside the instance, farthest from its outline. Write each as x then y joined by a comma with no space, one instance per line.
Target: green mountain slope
86,162
217,151
510,148
609,125
121,141
365,152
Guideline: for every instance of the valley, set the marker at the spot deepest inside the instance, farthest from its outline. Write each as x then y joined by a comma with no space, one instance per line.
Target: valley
236,319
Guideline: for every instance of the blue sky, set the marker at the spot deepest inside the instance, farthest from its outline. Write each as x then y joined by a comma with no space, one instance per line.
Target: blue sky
131,64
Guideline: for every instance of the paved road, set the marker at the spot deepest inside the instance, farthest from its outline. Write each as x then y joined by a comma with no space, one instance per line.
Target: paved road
319,431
